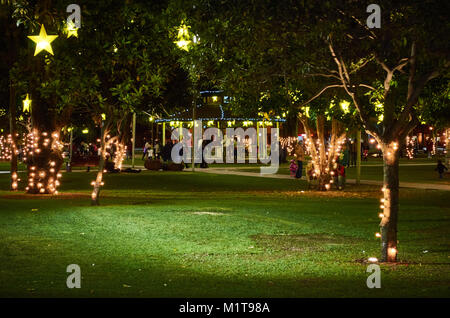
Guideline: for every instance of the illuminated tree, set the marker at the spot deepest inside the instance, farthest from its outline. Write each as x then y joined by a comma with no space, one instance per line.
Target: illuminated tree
10,44
128,65
31,76
384,71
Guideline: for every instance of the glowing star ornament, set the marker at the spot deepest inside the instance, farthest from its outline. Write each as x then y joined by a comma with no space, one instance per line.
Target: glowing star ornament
43,41
26,104
345,106
71,30
183,38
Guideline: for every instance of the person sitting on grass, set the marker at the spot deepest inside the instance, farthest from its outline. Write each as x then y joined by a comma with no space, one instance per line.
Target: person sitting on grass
440,168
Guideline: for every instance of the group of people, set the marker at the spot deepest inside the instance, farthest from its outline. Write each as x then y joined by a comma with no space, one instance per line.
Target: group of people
84,149
346,159
151,150
350,153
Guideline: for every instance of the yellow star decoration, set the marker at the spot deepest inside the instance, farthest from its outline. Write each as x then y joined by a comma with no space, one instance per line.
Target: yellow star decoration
183,38
71,30
26,104
345,106
43,41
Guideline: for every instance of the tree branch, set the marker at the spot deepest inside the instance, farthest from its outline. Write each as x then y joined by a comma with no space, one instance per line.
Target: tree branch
324,75
362,65
412,71
319,93
371,34
390,72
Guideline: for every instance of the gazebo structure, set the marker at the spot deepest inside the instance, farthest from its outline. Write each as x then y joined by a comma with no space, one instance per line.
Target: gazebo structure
214,111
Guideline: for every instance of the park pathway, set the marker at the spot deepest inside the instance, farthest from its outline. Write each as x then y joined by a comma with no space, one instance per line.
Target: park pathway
232,171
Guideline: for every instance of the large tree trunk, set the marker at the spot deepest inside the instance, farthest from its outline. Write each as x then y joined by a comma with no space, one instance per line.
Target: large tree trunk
324,175
44,155
13,36
101,166
44,162
98,182
13,132
389,203
322,158
447,143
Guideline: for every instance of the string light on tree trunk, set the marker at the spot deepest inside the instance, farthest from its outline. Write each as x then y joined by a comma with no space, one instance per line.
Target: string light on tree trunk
323,166
43,158
392,253
409,147
7,147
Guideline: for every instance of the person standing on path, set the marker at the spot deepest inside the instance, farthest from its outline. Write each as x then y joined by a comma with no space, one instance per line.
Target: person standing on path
299,154
440,168
146,148
353,153
157,149
344,157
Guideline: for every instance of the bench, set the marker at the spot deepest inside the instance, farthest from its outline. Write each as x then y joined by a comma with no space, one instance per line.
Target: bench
153,164
84,161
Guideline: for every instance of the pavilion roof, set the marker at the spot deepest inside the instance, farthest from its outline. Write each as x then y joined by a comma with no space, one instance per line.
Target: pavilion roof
209,112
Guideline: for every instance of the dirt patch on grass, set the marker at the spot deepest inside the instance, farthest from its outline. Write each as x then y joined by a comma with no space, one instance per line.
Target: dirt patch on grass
357,193
334,194
301,242
207,213
216,208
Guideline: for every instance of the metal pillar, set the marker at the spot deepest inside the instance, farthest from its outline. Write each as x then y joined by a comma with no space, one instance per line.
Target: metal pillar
134,140
358,157
164,134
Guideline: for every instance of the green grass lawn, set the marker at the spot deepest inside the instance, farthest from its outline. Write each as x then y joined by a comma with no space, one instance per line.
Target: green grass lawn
420,174
163,234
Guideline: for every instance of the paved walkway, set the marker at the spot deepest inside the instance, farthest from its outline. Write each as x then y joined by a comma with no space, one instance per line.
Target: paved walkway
369,165
233,171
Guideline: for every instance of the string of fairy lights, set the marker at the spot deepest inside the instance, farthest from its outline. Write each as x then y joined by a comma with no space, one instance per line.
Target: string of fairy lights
385,204
288,143
43,177
7,147
117,158
323,167
409,147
